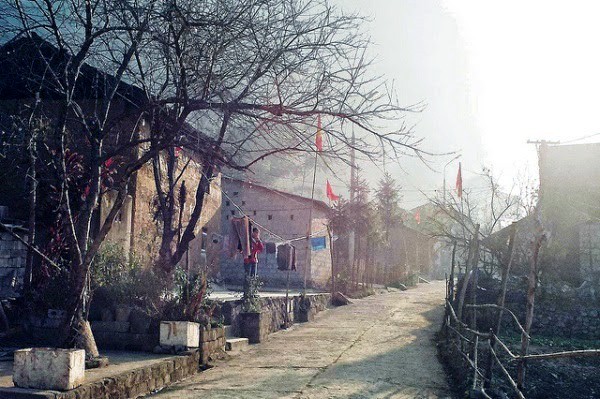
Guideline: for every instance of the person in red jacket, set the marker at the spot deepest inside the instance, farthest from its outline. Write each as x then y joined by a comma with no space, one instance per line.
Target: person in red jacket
256,247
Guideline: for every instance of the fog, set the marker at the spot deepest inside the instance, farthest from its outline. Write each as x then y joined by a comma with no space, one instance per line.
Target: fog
493,75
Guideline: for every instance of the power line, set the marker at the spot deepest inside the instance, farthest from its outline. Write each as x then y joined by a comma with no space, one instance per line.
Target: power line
261,226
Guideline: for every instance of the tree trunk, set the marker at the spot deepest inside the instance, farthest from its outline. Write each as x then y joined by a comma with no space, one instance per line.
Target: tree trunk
531,290
501,300
31,223
467,276
84,339
3,319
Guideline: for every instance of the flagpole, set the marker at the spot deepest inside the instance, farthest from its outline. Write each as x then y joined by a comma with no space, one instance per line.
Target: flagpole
308,234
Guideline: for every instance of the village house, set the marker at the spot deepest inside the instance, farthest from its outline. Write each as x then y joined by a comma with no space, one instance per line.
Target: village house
434,226
281,217
137,228
411,253
569,193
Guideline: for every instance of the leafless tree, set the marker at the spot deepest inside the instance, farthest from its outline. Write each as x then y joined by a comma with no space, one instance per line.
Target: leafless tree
72,57
250,76
254,75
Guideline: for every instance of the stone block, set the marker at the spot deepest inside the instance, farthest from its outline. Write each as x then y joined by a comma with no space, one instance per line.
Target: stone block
236,344
110,326
204,335
220,332
49,368
254,327
180,333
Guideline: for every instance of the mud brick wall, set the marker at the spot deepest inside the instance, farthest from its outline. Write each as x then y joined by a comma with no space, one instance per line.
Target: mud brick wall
286,216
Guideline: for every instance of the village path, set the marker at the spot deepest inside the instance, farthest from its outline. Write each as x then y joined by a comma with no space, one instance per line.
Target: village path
378,347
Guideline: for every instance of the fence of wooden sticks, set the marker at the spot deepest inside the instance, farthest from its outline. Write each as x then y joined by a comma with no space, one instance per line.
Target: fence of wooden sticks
483,352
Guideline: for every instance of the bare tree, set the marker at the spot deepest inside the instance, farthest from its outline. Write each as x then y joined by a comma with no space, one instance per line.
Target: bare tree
253,75
71,58
250,76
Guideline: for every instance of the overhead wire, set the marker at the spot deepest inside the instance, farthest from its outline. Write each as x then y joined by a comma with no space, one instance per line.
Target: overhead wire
243,213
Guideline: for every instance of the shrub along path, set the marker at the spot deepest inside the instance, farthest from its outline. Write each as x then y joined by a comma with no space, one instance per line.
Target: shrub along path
378,347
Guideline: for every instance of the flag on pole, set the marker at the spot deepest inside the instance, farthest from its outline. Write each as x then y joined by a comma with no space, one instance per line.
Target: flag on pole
330,193
319,137
418,216
459,181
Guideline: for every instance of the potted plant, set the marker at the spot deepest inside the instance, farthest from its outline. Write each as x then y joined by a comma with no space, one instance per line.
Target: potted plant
252,321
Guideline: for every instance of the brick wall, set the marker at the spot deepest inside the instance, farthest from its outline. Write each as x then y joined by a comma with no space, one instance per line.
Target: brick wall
284,215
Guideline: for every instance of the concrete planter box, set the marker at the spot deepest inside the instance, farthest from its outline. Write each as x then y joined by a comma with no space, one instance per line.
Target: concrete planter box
49,368
254,326
180,333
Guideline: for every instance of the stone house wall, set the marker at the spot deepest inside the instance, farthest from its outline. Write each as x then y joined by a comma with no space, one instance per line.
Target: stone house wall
13,256
146,231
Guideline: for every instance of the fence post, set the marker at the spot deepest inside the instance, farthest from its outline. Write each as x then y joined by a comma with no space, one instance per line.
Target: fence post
490,363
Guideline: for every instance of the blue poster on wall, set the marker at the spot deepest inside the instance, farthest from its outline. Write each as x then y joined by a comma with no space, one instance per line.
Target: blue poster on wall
318,243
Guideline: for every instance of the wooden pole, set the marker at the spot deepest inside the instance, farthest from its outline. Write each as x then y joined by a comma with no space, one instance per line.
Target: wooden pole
331,254
531,290
508,261
467,276
451,281
307,263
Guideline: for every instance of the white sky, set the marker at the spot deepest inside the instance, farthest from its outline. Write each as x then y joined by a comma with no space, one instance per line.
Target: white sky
494,74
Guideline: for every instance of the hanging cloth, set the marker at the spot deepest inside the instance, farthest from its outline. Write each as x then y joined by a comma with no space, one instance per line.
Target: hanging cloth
286,257
239,236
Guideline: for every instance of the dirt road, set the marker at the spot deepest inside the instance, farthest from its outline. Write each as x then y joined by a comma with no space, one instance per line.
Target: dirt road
378,347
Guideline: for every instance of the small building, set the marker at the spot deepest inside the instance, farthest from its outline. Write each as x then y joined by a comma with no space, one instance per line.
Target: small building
281,217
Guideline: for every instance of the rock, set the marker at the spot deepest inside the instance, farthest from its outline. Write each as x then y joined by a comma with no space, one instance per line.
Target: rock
339,299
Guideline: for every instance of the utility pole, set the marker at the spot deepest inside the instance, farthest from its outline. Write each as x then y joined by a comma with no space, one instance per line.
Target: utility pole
351,234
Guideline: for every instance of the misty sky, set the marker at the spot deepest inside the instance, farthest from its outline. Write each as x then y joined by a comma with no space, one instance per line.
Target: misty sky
493,75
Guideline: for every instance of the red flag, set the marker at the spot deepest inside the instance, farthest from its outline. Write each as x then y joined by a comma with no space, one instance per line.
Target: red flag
319,136
418,216
330,193
459,181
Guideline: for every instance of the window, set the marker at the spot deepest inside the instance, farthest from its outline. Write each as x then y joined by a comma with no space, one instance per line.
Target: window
318,243
291,217
254,213
270,217
235,193
233,211
226,203
243,203
227,217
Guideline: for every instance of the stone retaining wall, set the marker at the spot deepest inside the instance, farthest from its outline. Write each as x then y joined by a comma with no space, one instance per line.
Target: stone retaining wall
131,384
579,321
212,341
273,310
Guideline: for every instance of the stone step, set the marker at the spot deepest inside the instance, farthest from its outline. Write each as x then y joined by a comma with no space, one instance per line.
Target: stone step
236,344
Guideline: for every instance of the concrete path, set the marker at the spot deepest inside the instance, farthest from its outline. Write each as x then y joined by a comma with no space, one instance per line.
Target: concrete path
378,347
